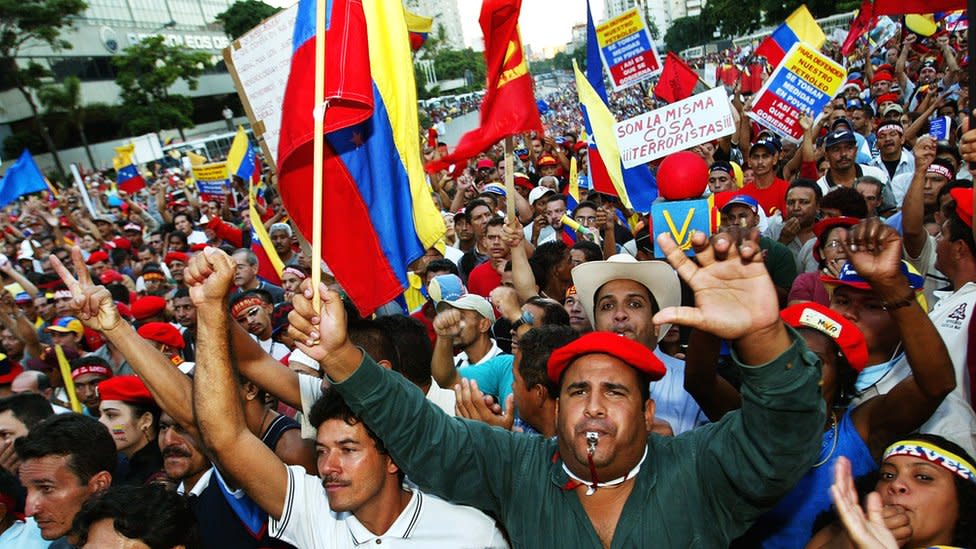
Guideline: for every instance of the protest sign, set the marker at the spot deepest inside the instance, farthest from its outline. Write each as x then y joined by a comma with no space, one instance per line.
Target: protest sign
678,126
681,219
803,83
627,50
211,179
259,63
884,29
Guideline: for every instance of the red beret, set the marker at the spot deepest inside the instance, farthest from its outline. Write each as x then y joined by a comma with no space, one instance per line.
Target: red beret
882,76
523,181
886,97
121,243
964,204
147,306
128,389
845,333
95,257
111,275
123,310
634,354
825,226
176,256
199,247
162,332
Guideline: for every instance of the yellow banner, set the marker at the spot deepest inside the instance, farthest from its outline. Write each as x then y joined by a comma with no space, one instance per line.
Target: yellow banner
216,171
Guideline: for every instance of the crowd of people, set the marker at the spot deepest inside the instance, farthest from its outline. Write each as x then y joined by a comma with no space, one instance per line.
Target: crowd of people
804,378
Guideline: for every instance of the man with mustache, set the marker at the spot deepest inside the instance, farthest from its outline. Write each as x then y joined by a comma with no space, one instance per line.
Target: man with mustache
357,479
604,480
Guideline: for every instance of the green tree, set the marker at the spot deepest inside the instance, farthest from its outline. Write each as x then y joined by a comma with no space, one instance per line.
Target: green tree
65,99
459,64
731,17
145,73
26,24
244,15
686,32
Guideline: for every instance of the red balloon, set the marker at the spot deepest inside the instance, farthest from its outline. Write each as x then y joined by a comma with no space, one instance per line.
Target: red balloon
681,176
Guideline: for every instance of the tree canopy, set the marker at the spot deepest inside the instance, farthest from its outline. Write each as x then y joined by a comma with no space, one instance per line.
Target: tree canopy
244,15
146,71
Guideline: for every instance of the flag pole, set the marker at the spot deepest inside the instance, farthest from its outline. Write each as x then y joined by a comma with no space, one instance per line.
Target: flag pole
318,114
510,178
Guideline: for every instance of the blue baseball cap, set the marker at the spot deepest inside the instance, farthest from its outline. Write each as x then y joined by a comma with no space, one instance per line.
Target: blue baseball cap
742,200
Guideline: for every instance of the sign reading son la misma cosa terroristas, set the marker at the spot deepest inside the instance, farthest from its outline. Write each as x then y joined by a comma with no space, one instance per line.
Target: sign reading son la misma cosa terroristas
212,178
627,49
803,83
675,127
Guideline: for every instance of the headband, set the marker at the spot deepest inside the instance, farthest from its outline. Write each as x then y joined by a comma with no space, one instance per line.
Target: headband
939,169
933,454
92,369
295,272
889,126
152,275
245,303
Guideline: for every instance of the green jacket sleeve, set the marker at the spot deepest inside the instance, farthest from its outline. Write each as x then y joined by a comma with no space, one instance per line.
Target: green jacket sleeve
756,454
463,461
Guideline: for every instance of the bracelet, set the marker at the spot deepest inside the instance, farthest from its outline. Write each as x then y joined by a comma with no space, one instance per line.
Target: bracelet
904,302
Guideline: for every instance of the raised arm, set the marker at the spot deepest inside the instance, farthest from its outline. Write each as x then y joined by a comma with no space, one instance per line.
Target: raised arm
712,392
447,325
522,277
913,205
93,305
217,403
875,251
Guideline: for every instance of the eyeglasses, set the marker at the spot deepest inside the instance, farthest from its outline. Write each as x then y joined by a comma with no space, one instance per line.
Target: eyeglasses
833,244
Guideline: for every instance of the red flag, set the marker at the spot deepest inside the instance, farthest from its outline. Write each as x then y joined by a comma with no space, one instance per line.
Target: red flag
509,106
898,7
859,26
677,79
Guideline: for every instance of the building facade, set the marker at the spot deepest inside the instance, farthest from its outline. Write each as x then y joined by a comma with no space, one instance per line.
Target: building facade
662,12
446,16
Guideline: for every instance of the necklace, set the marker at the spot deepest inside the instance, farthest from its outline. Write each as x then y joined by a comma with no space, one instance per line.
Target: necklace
832,435
592,486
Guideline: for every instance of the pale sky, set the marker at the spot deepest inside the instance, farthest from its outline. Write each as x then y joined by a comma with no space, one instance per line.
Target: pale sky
544,23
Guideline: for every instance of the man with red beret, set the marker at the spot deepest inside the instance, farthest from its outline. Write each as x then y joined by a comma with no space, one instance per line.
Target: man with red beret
168,340
150,308
604,481
176,262
97,262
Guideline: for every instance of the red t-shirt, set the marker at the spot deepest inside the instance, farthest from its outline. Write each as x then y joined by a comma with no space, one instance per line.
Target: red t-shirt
772,198
483,279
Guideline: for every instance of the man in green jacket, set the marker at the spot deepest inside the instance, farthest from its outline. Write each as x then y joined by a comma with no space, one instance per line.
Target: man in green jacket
701,489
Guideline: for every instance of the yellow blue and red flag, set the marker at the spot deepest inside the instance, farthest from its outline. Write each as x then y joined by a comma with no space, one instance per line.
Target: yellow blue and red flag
127,174
635,187
800,26
419,28
270,265
241,160
378,215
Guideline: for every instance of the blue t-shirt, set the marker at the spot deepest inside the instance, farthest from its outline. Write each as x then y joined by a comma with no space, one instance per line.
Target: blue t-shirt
494,376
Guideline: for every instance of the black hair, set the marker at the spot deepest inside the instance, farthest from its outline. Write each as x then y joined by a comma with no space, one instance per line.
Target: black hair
556,197
29,408
442,265
158,518
850,202
585,204
545,258
90,360
807,184
117,256
553,312
535,346
959,230
118,292
375,340
591,250
496,221
944,147
181,292
86,442
472,204
179,235
331,405
412,345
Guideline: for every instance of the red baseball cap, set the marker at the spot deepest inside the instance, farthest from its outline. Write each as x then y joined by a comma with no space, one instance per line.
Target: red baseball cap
845,333
632,353
96,257
128,389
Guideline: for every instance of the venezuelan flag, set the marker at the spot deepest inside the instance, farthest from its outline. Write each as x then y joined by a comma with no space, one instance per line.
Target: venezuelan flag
419,28
635,187
270,265
800,26
240,157
127,174
378,215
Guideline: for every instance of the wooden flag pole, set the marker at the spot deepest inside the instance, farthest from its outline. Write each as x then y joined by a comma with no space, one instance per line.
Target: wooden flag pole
318,114
510,178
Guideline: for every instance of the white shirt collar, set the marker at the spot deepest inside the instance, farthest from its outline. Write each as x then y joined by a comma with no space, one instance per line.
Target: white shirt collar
199,487
401,528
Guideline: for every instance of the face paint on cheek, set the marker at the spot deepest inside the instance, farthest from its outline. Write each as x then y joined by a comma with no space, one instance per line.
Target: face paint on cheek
119,431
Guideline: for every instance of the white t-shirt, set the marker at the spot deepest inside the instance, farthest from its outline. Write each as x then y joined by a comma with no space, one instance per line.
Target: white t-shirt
671,402
276,349
307,522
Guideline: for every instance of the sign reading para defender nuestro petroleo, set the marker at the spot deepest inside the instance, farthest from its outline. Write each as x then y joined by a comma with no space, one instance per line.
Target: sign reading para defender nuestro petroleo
675,127
804,82
211,178
627,50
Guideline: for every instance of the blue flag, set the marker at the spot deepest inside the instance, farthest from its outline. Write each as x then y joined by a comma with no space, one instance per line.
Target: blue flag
22,178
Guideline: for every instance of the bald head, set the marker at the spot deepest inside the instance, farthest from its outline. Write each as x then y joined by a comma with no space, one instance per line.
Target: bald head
32,381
